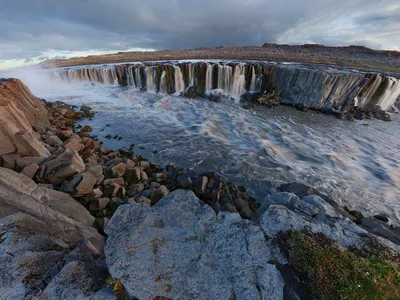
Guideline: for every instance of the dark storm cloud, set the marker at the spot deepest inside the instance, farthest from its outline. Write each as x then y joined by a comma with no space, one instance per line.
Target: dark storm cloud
30,28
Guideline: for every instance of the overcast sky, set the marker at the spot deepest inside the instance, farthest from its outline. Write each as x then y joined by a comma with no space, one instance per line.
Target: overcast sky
33,30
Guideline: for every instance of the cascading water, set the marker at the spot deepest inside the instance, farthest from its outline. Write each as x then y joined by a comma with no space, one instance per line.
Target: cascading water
238,83
138,77
209,77
163,83
179,83
253,79
130,76
313,87
150,80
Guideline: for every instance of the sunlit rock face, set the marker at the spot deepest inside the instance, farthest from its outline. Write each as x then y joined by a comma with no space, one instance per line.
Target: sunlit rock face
19,112
318,87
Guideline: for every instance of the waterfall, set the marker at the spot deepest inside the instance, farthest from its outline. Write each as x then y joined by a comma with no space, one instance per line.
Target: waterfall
150,79
130,77
163,83
238,83
253,79
224,78
138,78
191,74
109,75
382,91
179,83
209,77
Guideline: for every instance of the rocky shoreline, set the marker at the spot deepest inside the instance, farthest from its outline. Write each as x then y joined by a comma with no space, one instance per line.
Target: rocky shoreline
185,233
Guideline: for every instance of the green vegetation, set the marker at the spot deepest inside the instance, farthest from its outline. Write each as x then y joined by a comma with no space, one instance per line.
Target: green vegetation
331,273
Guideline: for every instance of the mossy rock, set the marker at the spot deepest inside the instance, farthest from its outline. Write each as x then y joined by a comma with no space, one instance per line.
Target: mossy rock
331,273
74,115
86,128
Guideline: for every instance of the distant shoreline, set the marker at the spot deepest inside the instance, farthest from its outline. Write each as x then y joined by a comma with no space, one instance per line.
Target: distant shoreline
353,56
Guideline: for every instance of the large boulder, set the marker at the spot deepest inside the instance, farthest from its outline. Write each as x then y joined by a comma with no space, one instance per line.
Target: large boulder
19,111
32,254
59,168
181,250
68,218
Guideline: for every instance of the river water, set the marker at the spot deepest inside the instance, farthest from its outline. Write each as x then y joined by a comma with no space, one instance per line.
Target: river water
356,163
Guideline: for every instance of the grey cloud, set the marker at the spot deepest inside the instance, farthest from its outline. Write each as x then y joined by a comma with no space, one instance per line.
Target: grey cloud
31,27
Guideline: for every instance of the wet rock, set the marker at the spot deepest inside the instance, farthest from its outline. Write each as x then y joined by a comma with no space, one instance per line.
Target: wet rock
381,229
53,140
118,170
322,206
182,250
59,168
86,128
86,109
30,170
357,215
382,218
9,161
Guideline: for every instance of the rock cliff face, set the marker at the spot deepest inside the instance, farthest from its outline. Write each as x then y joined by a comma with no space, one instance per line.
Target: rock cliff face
318,87
19,112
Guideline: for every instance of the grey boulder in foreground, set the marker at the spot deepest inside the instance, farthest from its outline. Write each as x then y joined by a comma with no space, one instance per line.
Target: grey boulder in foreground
180,249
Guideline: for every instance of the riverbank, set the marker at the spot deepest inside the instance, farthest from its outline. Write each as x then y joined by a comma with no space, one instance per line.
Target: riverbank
353,56
172,223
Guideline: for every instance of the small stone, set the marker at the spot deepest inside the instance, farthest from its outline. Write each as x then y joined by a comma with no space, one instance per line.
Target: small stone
119,181
161,177
30,170
98,204
9,161
144,177
119,170
144,164
132,175
135,189
143,199
86,185
74,144
96,193
154,185
159,193
53,140
358,215
86,128
65,134
200,185
382,218
130,164
184,181
97,171
86,109
148,193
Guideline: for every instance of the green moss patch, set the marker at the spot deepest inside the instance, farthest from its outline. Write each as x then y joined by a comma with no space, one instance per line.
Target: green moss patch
331,273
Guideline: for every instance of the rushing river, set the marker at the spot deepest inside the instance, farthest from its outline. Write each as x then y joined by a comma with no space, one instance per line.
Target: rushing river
357,163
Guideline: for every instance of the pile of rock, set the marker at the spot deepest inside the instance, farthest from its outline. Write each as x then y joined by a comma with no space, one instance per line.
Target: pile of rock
270,98
358,113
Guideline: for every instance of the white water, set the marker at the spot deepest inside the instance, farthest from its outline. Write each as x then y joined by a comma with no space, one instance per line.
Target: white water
179,83
150,79
163,83
209,77
253,79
